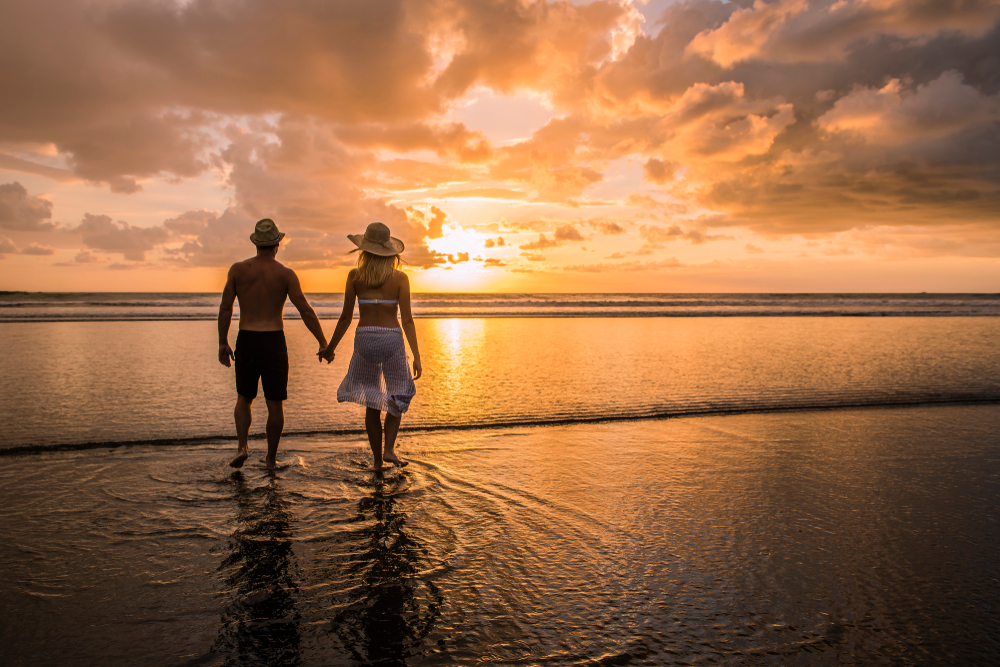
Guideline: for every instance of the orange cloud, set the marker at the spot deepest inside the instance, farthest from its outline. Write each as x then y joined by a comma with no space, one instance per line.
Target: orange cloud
101,233
19,210
817,119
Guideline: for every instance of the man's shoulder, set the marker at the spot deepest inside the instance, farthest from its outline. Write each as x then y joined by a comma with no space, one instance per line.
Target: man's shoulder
242,264
283,270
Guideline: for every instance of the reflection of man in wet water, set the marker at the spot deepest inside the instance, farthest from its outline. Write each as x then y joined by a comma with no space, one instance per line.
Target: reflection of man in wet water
261,284
260,622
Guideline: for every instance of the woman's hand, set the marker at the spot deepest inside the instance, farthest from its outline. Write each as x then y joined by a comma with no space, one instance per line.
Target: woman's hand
325,353
417,370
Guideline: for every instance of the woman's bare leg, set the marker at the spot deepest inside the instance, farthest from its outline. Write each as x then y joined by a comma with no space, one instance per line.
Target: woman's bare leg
373,424
391,429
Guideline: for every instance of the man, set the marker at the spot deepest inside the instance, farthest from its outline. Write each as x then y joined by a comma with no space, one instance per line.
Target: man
261,284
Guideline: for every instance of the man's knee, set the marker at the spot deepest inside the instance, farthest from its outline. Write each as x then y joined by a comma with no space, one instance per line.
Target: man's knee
275,409
242,400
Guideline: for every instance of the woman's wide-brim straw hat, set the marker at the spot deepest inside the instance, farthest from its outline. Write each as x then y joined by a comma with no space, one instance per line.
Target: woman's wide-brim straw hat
266,234
377,241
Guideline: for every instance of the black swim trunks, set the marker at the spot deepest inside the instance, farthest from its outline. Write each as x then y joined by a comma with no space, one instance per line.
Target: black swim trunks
262,355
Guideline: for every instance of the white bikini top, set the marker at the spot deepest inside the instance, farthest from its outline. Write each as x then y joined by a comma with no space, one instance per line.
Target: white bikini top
377,301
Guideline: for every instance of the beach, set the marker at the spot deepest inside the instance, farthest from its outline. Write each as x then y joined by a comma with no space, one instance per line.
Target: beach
862,536
772,489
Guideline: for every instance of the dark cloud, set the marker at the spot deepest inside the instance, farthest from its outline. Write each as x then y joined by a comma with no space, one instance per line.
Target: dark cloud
35,249
190,223
21,211
101,233
86,257
542,242
659,171
568,233
654,235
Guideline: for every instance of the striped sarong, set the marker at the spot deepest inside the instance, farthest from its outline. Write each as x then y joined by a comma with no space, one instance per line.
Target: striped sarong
379,375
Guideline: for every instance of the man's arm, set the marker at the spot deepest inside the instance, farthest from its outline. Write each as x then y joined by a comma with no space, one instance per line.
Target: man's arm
226,318
346,315
309,317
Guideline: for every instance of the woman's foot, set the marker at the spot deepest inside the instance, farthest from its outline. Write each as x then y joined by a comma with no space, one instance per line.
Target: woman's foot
240,458
390,456
270,463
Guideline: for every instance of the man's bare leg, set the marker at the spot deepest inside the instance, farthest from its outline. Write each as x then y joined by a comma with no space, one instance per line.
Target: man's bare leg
243,417
391,429
275,424
373,424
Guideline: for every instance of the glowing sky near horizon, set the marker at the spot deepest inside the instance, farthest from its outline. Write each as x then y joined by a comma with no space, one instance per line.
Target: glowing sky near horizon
792,145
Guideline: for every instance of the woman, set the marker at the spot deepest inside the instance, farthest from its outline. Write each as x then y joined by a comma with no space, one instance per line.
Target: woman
378,377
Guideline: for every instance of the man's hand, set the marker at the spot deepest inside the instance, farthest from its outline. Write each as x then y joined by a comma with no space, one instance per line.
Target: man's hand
417,369
225,354
324,353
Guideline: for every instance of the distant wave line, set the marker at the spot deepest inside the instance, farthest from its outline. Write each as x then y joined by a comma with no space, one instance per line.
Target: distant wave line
649,415
758,302
529,314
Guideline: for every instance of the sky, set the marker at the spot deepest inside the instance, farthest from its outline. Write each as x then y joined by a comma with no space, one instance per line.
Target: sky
513,145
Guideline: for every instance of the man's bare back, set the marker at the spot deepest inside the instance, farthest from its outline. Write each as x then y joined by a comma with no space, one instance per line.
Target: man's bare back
261,284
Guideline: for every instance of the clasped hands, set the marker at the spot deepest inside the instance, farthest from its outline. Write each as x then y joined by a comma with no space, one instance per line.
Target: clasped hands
325,353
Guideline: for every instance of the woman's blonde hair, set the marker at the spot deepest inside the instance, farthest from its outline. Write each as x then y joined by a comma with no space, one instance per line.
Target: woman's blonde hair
374,270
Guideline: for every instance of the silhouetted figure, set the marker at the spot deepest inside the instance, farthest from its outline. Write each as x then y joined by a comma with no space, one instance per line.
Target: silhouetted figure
378,376
262,284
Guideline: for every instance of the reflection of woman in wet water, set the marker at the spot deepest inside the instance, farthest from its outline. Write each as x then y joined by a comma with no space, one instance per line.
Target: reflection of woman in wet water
388,609
378,377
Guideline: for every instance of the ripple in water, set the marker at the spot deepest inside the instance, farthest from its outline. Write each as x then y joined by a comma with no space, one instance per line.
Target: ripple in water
854,536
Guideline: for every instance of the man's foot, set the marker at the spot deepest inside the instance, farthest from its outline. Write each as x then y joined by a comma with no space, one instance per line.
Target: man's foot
240,458
270,463
392,458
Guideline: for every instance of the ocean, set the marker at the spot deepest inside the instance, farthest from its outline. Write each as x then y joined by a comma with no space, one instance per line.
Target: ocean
593,479
82,306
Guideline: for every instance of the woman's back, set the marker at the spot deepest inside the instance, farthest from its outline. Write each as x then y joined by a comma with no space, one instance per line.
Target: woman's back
378,305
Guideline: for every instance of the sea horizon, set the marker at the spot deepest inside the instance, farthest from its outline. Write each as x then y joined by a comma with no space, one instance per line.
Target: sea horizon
138,306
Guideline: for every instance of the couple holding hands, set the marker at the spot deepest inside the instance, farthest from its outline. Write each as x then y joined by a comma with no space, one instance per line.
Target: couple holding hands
378,377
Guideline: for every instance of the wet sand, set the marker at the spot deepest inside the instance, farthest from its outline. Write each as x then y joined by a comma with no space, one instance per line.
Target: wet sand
804,538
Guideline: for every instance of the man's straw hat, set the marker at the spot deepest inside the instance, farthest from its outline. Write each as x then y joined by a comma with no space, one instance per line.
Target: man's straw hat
377,241
266,234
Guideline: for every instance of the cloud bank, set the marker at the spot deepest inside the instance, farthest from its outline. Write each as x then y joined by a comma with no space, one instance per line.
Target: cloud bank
874,118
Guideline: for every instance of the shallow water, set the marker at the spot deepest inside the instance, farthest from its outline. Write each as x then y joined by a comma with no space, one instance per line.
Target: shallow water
811,538
86,306
85,382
